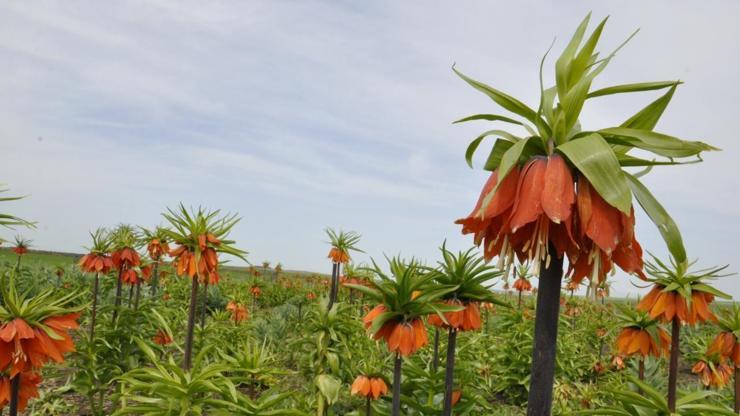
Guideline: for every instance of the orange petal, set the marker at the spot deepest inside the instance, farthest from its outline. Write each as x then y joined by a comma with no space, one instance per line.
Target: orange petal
558,194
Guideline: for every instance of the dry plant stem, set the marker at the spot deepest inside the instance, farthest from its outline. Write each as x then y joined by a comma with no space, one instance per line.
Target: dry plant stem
187,361
15,384
396,406
118,295
94,313
673,366
545,336
449,371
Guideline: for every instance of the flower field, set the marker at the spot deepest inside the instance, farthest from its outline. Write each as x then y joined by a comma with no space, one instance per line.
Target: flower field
173,319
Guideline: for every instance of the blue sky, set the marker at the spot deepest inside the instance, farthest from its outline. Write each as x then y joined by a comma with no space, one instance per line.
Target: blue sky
304,114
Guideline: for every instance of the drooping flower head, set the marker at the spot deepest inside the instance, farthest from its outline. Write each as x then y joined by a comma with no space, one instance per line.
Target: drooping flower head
156,242
561,190
397,318
200,236
641,335
98,259
341,244
28,389
21,245
125,240
238,311
34,330
680,292
372,387
467,272
726,345
162,338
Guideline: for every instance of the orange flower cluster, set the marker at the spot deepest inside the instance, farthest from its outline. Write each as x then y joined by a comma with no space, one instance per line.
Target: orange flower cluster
310,296
129,276
96,263
256,291
23,347
718,376
162,338
467,319
338,256
28,389
726,346
370,387
667,305
403,337
146,272
125,258
20,250
541,204
157,249
238,311
635,340
522,285
205,267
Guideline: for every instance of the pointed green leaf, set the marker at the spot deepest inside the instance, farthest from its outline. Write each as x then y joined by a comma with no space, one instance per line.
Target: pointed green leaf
637,87
667,227
473,146
658,143
504,100
497,152
489,117
648,117
593,157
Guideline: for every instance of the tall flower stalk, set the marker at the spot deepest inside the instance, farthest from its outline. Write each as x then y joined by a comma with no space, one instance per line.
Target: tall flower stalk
680,296
20,248
200,237
471,278
341,244
562,190
727,345
125,259
402,297
157,246
98,261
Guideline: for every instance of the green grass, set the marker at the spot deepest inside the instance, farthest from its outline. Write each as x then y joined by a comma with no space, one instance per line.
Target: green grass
51,260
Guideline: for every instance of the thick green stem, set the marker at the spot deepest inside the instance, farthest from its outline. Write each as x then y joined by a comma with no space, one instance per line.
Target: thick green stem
673,366
545,336
117,302
15,384
94,313
155,278
187,362
396,406
449,371
205,305
334,283
368,407
137,296
435,356
737,389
